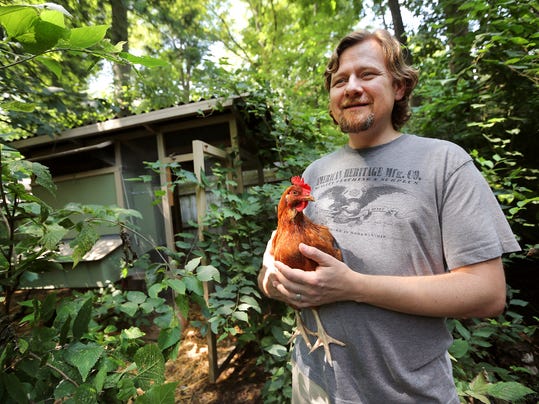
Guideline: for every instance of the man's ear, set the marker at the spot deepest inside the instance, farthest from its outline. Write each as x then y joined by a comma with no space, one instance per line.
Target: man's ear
400,89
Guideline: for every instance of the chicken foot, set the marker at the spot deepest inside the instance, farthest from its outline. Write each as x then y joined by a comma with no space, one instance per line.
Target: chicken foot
302,330
324,339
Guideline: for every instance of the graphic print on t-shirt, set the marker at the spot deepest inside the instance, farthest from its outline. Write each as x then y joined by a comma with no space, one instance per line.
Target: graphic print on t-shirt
368,201
355,205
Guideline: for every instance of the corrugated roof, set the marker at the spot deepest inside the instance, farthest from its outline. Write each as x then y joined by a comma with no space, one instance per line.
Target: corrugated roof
130,121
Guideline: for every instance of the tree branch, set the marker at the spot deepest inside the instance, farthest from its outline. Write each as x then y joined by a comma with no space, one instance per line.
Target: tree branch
66,377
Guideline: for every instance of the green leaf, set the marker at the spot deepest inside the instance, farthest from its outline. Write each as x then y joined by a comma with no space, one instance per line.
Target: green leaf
252,302
194,285
52,65
462,330
53,234
478,396
46,36
479,384
225,309
164,320
518,302
136,296
84,242
129,308
192,264
42,177
161,394
85,37
146,61
64,330
183,303
277,350
151,366
484,332
177,285
132,333
23,345
54,17
101,376
14,387
208,273
241,315
17,20
48,307
85,394
64,389
509,391
81,322
155,289
168,337
84,357
18,106
459,348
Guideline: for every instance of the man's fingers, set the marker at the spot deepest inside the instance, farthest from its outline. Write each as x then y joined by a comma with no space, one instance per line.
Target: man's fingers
317,255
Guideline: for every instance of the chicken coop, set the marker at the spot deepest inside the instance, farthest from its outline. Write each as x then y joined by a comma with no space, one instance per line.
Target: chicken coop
96,164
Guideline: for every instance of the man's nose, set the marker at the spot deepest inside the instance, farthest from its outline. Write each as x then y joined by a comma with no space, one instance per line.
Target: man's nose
354,85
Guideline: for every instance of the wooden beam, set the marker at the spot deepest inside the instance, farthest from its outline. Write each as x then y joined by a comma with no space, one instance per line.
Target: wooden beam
163,180
235,145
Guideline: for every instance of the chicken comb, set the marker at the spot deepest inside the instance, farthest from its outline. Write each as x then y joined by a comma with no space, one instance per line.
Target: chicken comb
297,180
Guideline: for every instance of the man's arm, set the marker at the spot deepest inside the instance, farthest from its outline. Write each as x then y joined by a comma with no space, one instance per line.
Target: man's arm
267,275
472,291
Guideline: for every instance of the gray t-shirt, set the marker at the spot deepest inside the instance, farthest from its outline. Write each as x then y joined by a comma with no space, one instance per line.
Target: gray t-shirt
414,206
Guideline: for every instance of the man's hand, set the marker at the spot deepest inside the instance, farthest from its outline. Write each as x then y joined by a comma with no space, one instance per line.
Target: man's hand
327,284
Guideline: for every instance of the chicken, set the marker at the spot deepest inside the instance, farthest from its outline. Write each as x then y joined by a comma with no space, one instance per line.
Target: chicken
293,228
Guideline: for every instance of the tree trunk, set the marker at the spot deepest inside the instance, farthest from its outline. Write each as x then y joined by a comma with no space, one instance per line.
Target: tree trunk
121,72
398,25
457,28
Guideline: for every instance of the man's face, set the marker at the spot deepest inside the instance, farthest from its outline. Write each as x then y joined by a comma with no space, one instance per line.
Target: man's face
362,92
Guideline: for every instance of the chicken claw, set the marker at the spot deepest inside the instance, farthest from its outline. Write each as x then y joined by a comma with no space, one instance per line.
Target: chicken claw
302,330
324,339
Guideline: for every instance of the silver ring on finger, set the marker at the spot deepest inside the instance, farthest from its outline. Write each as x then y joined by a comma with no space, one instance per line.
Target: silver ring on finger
298,297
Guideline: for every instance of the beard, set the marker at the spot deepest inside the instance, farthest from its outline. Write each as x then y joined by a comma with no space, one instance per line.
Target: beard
355,125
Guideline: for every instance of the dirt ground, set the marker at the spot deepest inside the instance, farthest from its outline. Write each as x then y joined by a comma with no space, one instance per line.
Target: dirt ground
240,382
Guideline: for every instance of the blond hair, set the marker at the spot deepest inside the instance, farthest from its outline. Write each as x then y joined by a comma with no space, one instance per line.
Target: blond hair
401,72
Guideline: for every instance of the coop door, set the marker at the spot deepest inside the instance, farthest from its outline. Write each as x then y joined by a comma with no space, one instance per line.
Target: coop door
188,199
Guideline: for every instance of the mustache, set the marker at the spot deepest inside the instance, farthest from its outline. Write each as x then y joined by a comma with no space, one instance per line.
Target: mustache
354,102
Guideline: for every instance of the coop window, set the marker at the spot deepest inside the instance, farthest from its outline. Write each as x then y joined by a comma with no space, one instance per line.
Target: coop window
72,161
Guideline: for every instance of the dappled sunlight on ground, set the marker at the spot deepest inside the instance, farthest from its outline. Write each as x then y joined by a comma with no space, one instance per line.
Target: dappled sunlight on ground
240,382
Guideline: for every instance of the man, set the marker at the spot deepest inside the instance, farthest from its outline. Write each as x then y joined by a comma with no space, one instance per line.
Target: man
421,233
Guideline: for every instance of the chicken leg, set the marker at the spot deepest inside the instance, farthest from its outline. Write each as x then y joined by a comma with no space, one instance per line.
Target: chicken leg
324,339
302,330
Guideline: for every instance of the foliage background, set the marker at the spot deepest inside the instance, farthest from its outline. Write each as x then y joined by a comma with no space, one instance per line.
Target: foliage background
478,88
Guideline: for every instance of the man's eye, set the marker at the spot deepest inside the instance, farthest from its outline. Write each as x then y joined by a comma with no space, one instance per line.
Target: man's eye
339,82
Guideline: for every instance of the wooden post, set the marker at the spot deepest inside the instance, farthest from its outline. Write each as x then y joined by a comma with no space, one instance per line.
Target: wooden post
163,179
200,150
198,164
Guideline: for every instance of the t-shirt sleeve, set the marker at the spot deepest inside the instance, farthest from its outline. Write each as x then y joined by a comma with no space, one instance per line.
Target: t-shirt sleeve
474,228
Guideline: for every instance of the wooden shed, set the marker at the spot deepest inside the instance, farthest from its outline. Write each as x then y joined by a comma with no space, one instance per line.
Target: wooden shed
94,164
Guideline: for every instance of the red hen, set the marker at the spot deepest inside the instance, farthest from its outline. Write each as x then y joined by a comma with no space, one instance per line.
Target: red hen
293,228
